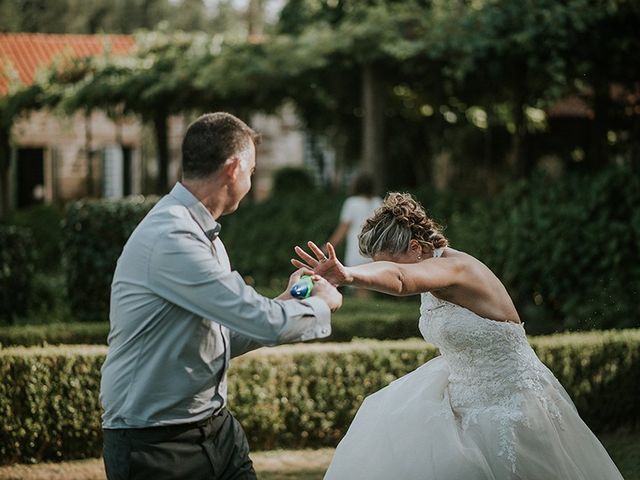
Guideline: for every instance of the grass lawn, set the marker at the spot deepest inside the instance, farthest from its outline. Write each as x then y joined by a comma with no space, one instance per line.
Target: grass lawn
296,464
273,465
625,451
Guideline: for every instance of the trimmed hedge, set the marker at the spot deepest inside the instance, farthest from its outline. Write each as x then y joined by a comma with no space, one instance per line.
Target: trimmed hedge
380,319
270,230
94,233
77,333
44,223
566,249
293,396
16,272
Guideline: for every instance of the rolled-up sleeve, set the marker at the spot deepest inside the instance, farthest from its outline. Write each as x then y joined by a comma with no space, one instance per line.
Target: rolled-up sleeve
184,271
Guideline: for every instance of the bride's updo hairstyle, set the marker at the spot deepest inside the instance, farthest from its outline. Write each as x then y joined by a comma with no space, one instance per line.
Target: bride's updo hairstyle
399,220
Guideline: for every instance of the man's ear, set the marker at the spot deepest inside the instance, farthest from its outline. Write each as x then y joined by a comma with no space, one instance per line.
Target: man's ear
231,168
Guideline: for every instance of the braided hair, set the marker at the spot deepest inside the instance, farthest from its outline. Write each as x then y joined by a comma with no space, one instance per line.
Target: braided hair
392,226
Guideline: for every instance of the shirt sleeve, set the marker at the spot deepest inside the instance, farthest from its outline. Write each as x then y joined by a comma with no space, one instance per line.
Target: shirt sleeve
239,344
184,271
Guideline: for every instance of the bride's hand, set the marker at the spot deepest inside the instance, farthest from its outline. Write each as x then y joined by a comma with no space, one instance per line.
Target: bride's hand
328,267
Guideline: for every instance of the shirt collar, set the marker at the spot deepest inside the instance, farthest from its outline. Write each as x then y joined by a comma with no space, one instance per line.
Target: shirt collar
198,211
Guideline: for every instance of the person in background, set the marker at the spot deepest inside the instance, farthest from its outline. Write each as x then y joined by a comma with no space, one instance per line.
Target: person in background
355,210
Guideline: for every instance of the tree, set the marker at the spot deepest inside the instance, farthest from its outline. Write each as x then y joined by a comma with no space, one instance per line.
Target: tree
447,66
154,82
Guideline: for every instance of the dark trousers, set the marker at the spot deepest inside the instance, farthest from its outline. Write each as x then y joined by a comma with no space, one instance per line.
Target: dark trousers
212,449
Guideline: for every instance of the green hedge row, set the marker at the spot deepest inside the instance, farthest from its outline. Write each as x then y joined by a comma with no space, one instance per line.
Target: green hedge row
77,333
93,234
293,396
44,224
568,250
16,272
376,318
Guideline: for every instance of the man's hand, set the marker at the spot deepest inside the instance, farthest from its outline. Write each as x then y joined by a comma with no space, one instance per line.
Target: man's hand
293,278
327,292
328,267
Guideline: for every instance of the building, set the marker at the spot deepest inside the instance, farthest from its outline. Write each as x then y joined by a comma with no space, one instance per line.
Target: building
59,158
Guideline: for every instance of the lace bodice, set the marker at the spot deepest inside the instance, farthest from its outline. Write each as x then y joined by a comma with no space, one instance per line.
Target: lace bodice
492,366
490,358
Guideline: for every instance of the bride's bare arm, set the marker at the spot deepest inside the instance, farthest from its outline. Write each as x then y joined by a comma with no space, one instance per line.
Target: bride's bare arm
402,279
388,277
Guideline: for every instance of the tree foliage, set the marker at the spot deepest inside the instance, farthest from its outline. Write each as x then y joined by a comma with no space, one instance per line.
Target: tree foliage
455,75
118,16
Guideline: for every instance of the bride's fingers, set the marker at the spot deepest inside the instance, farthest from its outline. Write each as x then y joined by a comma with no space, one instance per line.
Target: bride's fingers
331,251
316,250
306,257
299,264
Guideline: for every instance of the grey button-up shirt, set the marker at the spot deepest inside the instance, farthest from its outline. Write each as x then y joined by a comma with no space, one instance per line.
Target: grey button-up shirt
178,315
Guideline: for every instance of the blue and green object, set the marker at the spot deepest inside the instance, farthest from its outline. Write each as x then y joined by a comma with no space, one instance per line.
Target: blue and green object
302,288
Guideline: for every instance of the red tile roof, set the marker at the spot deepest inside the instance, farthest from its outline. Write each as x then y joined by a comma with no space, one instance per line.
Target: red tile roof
25,53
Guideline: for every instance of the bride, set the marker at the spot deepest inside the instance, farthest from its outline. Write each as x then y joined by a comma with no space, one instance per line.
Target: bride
485,409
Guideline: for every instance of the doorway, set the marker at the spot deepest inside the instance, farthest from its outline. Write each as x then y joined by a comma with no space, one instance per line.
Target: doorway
30,177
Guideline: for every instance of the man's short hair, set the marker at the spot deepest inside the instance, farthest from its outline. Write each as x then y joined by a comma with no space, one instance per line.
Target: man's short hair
211,140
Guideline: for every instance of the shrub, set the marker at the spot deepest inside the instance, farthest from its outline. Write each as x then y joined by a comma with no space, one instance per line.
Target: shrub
16,272
260,237
49,302
94,233
293,396
566,249
377,318
292,180
49,404
45,223
77,333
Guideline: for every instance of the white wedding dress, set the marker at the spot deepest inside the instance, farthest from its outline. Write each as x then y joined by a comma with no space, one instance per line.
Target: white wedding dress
485,409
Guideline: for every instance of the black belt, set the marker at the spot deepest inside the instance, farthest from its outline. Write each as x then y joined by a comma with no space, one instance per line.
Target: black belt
204,426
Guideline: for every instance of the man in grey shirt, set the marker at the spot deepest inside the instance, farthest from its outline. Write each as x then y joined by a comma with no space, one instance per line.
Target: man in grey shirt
179,314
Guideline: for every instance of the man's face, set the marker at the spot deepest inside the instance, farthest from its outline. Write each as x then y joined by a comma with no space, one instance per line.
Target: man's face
242,182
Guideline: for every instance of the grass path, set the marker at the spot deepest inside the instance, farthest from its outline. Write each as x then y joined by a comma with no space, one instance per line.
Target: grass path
272,465
295,464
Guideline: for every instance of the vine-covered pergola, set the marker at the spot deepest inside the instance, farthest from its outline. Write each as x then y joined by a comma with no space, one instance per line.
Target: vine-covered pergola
353,76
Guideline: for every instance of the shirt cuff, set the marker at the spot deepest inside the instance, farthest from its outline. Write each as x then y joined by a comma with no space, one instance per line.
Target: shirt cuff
322,312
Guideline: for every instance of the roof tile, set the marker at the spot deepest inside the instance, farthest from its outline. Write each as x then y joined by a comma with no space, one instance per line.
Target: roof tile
25,53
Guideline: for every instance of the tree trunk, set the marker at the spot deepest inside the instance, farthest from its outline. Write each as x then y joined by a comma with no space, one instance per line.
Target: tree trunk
373,126
5,163
340,146
488,153
517,160
161,131
423,165
635,142
88,141
601,101
254,18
